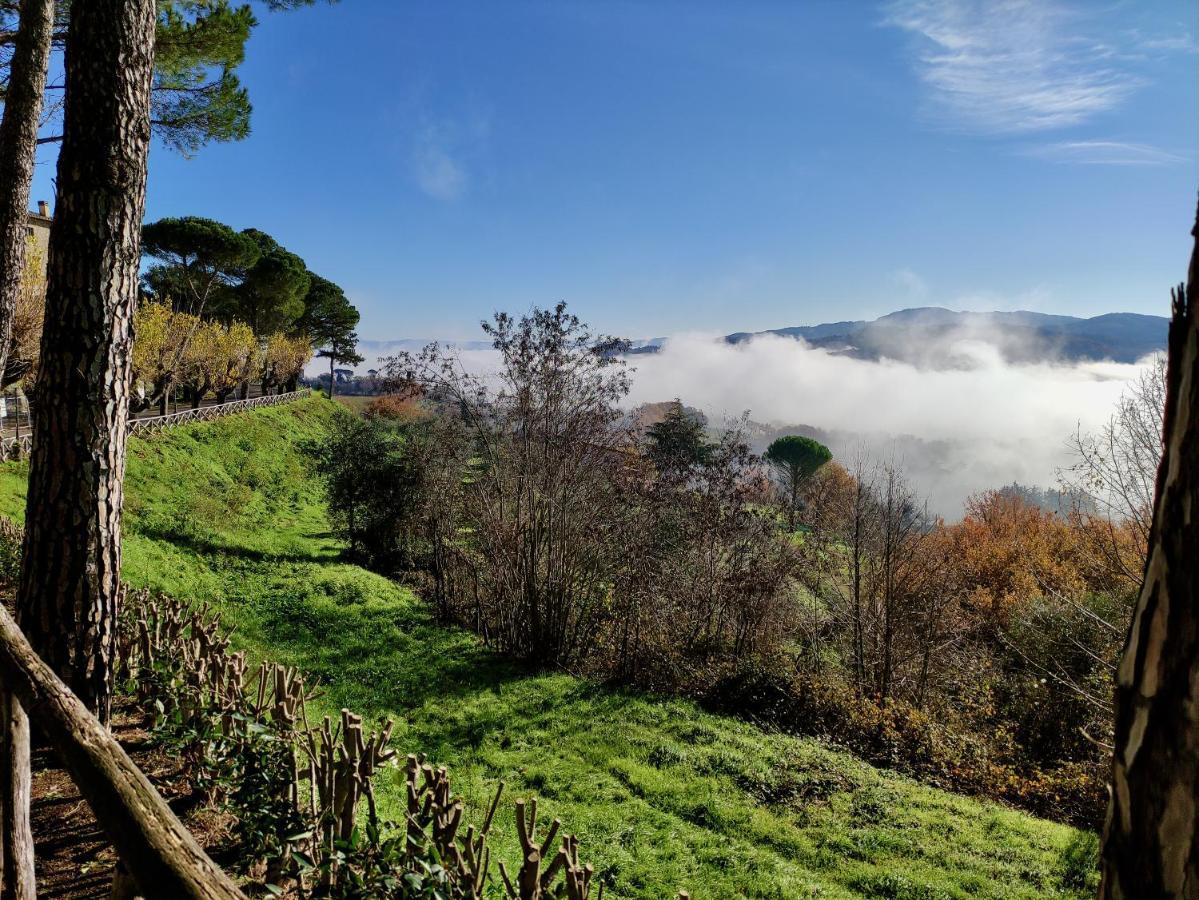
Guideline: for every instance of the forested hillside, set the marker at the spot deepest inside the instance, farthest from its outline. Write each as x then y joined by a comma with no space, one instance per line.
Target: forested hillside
662,795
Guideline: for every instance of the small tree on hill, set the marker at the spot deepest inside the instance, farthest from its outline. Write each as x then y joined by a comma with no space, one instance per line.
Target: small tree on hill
796,458
342,348
329,321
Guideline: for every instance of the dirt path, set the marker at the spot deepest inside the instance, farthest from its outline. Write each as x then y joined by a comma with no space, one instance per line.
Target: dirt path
73,857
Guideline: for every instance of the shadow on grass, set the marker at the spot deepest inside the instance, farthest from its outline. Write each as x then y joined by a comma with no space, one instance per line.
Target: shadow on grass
210,546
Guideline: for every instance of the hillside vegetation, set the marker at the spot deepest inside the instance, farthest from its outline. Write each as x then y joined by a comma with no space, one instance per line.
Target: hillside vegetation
661,794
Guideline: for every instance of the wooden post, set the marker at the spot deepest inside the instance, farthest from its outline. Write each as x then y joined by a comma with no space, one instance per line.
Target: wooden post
154,846
15,783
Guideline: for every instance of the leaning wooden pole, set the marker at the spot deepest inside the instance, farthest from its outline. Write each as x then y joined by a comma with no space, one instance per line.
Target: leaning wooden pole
1151,840
154,846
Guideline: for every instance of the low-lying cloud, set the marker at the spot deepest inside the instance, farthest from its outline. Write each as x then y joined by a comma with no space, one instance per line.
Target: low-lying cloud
982,423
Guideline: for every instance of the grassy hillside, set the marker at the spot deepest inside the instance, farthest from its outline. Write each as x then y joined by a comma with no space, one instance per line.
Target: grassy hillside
661,794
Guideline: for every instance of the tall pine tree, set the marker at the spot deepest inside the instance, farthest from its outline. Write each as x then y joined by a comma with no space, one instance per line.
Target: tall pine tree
66,599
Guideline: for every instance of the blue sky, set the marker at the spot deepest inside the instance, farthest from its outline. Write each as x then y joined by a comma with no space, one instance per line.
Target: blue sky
668,166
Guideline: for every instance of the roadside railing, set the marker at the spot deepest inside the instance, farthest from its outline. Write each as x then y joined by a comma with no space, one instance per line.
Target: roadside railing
208,413
19,444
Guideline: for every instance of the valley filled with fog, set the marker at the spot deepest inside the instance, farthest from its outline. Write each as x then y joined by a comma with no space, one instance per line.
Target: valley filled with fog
960,412
982,423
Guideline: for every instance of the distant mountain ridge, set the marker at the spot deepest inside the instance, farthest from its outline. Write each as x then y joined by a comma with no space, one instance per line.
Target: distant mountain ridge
935,336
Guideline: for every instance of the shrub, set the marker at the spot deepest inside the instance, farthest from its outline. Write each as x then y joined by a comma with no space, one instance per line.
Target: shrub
397,408
11,537
940,751
297,792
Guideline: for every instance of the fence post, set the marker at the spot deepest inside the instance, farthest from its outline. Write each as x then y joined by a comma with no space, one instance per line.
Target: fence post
155,847
16,835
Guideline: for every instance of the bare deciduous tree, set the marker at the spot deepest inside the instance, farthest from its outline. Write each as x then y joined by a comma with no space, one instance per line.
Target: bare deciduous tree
540,496
1116,468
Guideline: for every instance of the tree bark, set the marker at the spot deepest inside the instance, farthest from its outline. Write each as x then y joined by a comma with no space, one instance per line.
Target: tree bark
154,846
18,151
67,595
1151,839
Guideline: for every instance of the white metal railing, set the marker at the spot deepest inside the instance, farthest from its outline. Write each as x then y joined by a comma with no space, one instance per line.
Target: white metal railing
208,413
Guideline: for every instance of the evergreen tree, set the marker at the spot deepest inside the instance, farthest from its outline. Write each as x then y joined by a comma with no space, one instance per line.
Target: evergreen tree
199,45
70,575
796,459
329,321
678,441
271,292
196,96
30,54
199,257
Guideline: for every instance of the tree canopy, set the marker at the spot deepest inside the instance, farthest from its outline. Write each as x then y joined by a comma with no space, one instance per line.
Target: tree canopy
271,292
197,96
198,256
796,458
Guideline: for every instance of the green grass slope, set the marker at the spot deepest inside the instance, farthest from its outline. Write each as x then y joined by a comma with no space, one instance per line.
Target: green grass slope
662,794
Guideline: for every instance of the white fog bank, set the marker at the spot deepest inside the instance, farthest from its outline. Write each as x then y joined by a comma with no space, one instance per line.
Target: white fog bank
957,431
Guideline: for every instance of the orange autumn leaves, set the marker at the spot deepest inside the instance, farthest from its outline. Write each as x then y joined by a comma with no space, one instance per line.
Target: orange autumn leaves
1007,552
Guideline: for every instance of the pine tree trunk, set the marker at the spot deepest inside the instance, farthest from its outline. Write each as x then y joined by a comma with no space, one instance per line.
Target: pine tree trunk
18,150
1151,841
66,599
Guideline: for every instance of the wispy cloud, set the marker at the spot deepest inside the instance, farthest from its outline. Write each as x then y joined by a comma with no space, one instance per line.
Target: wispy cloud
1012,66
434,167
911,283
1104,153
1182,42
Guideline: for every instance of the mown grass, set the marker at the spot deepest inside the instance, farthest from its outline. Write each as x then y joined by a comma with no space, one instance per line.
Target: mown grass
662,795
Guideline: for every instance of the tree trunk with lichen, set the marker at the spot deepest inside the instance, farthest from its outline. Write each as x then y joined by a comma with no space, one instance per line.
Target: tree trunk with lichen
1151,840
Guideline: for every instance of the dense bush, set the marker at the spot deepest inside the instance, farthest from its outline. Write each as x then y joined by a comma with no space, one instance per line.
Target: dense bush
378,480
549,532
935,749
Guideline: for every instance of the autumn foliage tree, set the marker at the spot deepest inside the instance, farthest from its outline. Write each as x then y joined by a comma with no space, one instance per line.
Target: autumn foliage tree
219,358
283,359
27,317
1009,551
161,339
